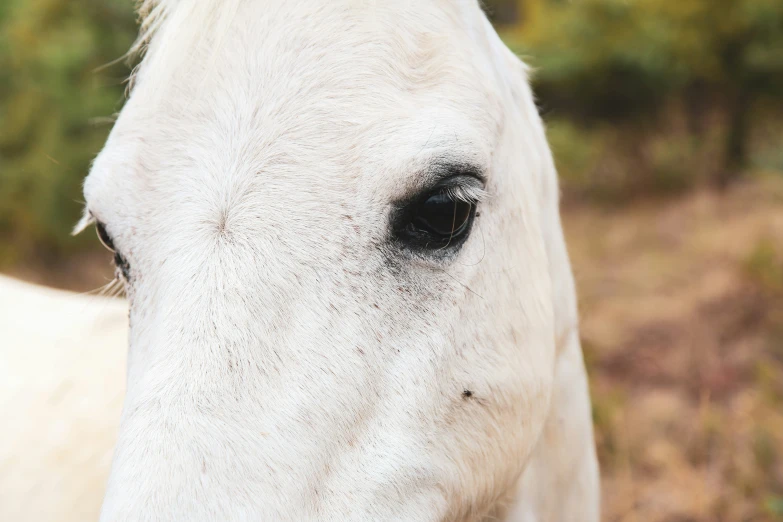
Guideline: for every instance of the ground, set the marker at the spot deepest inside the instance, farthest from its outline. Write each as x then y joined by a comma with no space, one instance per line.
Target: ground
682,326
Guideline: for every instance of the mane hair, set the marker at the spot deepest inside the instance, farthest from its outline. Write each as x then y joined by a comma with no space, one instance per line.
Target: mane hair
151,14
182,25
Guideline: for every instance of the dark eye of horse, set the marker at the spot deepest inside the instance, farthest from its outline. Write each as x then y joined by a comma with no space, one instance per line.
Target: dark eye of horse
119,261
104,236
438,220
442,215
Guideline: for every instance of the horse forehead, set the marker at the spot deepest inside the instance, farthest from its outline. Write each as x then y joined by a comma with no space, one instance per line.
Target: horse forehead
276,92
340,64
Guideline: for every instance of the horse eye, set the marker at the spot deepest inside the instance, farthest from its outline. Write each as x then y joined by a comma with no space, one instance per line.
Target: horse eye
104,236
442,215
436,221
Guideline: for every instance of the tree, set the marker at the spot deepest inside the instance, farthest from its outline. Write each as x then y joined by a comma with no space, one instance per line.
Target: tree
621,59
52,91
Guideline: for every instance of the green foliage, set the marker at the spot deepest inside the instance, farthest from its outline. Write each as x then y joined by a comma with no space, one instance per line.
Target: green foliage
623,58
629,62
774,505
619,162
765,266
53,90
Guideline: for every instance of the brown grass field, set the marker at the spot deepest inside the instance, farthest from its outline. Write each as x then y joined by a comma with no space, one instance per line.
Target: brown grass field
682,327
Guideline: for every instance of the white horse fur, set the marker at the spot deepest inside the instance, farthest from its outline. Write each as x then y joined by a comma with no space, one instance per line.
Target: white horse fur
287,360
62,379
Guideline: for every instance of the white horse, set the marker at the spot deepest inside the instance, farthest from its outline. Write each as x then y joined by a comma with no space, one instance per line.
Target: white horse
350,298
62,364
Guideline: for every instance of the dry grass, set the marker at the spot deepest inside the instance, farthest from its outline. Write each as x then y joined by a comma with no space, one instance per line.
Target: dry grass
682,325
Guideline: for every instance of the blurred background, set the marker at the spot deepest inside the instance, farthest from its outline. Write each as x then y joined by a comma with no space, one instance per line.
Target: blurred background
666,121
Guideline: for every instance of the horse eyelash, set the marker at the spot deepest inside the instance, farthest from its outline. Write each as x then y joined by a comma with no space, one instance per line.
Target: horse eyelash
467,193
86,220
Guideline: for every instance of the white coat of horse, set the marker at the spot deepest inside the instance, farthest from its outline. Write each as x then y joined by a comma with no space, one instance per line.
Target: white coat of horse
62,380
350,299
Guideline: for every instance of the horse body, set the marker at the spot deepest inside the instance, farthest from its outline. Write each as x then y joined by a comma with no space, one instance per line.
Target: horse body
299,349
62,376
